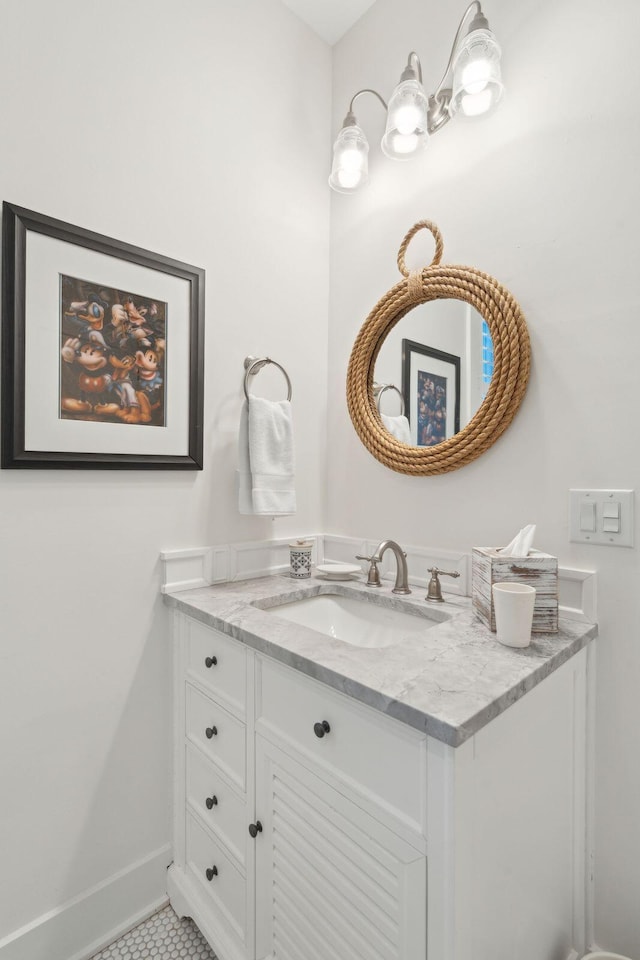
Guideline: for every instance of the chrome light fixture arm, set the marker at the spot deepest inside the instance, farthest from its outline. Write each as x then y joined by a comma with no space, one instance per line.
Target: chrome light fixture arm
439,100
350,164
350,119
413,69
447,73
471,86
360,92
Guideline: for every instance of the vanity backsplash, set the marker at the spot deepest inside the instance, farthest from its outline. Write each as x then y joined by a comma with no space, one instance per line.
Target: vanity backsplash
222,563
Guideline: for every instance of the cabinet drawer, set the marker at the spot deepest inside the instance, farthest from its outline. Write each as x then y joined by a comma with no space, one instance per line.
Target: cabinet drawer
218,733
216,804
219,663
226,886
381,758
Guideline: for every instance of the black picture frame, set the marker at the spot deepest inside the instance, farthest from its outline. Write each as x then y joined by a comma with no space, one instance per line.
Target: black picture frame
177,449
423,364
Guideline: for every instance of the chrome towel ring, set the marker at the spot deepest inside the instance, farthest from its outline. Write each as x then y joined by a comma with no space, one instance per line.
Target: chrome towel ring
379,389
253,364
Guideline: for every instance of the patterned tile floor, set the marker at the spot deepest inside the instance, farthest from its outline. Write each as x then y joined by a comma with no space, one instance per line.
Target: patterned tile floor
164,936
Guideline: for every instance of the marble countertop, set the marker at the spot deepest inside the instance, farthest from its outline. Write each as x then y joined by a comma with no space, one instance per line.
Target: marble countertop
449,682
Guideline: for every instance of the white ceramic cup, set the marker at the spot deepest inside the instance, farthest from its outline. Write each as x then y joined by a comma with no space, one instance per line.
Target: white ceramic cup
513,607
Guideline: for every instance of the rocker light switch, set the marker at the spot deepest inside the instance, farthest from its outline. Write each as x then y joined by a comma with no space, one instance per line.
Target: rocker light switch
587,516
611,516
601,517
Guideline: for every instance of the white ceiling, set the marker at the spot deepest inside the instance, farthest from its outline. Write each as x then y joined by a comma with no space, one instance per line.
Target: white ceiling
329,18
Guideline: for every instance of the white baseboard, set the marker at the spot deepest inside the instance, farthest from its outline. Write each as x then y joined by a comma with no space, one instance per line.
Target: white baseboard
223,563
261,558
85,925
185,569
577,589
198,567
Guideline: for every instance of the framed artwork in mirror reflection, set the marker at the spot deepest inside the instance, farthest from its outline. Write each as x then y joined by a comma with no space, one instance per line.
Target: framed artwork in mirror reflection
431,391
102,351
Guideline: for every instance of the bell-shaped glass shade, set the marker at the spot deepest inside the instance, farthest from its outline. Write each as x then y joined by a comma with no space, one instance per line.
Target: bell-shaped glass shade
477,84
406,131
350,168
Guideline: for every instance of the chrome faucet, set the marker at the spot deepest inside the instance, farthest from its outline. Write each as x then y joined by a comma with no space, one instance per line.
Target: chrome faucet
402,576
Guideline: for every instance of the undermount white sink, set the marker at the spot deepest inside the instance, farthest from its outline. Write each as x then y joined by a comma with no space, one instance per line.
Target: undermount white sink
361,623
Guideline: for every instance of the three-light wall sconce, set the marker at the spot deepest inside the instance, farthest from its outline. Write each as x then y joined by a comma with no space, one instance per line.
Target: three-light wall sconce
471,86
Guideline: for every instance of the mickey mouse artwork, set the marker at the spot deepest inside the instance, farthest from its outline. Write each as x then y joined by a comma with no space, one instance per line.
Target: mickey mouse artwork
112,355
432,409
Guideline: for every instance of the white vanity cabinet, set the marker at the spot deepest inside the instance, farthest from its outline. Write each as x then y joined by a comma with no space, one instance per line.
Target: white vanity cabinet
370,840
341,866
212,875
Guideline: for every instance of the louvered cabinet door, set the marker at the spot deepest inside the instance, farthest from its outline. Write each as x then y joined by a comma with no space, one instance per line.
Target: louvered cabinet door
332,882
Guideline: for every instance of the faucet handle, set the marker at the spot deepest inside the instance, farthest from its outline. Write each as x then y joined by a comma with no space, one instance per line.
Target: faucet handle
373,577
434,590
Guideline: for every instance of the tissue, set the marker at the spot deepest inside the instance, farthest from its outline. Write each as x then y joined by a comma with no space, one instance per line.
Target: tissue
521,544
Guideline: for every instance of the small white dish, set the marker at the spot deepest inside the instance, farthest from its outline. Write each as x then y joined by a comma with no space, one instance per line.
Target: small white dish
338,571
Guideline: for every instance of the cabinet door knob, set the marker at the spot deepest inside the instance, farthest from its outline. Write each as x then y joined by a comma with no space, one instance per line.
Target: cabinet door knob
211,872
211,732
211,661
211,802
255,829
321,728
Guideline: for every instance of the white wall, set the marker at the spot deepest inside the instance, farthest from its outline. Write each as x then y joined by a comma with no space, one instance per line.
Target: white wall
544,196
199,130
126,118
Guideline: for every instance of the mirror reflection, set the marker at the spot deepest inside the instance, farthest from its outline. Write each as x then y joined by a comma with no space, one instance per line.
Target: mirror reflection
433,372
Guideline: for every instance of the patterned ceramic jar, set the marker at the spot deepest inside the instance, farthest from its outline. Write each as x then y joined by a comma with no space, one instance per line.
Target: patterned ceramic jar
300,559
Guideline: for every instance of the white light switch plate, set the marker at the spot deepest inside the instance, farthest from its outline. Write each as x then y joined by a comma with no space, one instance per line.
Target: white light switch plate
604,502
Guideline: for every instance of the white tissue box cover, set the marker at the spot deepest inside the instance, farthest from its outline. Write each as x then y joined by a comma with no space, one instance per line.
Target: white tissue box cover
539,570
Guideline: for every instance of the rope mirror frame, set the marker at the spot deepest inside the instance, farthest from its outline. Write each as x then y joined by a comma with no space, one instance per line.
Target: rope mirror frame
511,350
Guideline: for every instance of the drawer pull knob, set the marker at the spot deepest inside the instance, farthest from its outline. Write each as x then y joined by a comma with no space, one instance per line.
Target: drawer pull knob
211,802
211,872
211,732
255,829
321,728
211,662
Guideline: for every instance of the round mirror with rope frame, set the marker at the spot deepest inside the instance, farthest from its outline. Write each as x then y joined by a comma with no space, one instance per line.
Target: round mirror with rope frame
511,352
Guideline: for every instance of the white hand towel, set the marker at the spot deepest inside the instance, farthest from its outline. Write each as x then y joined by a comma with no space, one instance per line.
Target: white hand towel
266,458
398,427
245,498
